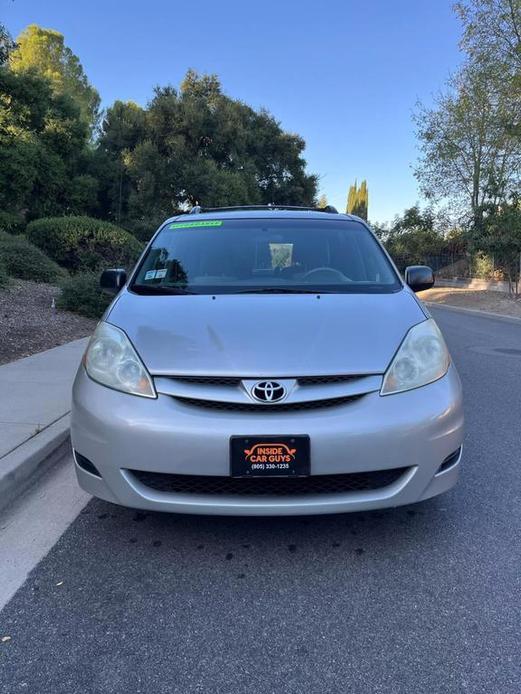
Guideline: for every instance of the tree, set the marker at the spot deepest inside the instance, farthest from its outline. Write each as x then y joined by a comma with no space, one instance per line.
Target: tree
6,45
123,127
413,238
192,146
363,201
205,87
500,235
322,201
467,142
470,141
492,40
358,200
44,52
492,34
352,198
42,142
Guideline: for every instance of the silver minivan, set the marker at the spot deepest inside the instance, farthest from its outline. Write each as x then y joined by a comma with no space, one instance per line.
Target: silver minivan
266,361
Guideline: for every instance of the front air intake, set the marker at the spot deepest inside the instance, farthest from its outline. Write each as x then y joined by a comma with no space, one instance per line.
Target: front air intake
213,485
85,464
449,461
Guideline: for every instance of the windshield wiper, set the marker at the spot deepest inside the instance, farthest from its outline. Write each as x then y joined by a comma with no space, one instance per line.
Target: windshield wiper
150,289
166,290
279,290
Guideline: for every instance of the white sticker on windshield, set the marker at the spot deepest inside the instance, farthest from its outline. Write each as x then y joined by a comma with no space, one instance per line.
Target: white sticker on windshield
160,274
150,275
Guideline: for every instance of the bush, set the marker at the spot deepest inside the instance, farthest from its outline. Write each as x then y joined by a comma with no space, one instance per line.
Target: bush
482,267
11,223
84,244
144,231
82,294
26,262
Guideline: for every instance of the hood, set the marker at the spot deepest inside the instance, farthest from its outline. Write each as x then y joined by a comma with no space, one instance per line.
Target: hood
276,335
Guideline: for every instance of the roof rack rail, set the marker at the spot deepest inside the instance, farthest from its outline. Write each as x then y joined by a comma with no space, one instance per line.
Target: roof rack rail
197,209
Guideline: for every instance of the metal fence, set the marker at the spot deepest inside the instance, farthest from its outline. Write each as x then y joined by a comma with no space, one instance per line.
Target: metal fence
446,265
476,270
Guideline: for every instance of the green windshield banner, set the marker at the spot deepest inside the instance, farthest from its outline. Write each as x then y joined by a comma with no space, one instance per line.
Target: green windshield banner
189,225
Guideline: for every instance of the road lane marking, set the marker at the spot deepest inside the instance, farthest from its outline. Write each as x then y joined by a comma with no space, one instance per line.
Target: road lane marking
35,522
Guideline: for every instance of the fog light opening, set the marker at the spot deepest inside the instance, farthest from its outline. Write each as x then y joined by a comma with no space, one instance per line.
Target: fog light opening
450,461
86,465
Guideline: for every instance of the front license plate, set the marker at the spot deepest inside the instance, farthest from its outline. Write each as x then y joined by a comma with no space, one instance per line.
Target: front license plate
269,456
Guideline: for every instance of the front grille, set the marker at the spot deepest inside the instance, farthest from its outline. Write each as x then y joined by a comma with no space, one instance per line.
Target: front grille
324,380
269,486
236,381
266,409
208,380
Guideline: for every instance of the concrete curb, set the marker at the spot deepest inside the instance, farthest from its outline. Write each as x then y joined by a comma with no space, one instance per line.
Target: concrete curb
474,283
26,463
475,312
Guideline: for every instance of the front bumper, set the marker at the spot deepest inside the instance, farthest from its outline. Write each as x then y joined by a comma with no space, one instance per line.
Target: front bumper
418,429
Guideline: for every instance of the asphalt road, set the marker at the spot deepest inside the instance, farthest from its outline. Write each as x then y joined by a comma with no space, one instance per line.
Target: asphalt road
418,599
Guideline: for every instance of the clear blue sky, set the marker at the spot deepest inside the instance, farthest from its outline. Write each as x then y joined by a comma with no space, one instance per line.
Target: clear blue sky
344,74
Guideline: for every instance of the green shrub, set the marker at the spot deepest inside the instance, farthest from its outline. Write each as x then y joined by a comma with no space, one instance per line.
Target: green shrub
483,266
27,262
143,231
83,244
12,223
82,294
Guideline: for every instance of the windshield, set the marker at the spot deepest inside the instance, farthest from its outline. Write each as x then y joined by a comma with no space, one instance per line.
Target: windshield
264,255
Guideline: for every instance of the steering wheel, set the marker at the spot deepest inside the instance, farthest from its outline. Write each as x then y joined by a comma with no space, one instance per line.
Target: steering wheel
319,272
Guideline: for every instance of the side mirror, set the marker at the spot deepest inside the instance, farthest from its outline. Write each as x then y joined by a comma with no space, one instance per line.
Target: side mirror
419,277
111,281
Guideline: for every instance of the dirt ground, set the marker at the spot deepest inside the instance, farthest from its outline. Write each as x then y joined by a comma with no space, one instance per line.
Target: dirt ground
496,302
29,324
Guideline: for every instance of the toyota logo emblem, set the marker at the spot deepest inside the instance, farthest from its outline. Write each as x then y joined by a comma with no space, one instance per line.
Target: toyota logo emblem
268,391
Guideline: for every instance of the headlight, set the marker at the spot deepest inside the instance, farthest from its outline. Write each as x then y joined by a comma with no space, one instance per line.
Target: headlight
422,358
111,360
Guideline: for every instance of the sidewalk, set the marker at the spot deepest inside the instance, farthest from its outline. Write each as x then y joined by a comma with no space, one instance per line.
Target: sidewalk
35,396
